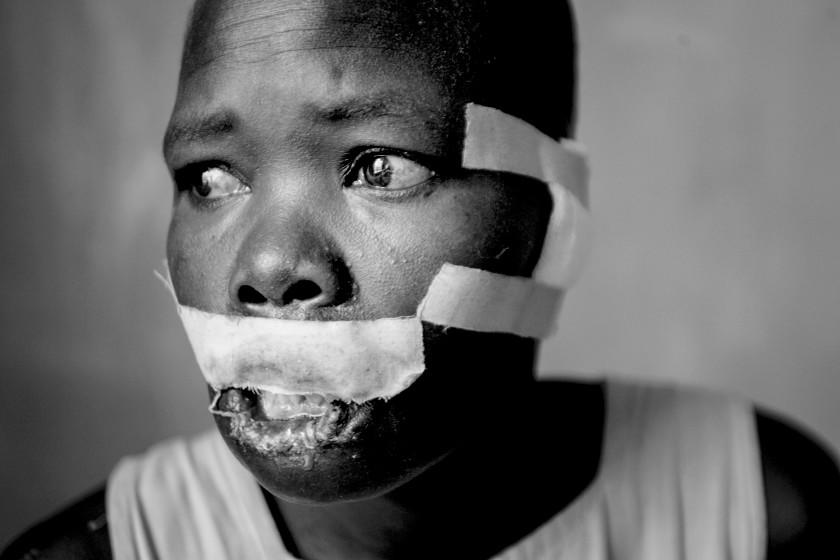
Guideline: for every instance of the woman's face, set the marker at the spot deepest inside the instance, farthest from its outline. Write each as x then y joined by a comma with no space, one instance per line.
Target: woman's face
316,177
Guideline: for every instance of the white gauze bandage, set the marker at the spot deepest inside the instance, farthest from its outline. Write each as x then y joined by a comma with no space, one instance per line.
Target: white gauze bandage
362,360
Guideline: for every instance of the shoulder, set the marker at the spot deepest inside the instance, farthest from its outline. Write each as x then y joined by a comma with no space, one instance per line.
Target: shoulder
801,480
79,531
801,487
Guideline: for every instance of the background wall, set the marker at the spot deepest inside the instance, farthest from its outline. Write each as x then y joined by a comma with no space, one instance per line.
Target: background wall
714,129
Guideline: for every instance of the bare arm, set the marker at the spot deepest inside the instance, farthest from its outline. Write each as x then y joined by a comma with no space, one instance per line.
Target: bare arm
802,492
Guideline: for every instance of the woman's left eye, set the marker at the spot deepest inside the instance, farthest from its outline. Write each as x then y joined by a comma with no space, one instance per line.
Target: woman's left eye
387,172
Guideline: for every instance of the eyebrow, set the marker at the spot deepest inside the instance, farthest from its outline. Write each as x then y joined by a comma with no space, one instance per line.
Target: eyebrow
375,106
197,128
389,104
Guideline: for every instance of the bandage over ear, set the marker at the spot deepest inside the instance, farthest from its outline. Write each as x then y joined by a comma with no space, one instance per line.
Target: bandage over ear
362,360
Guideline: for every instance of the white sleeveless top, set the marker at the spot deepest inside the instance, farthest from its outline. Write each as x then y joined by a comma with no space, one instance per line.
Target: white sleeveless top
680,479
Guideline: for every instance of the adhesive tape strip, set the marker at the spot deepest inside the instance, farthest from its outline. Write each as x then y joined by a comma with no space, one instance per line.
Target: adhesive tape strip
477,300
497,141
360,360
567,241
353,360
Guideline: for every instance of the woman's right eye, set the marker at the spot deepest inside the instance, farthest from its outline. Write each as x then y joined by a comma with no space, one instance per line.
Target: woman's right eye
211,183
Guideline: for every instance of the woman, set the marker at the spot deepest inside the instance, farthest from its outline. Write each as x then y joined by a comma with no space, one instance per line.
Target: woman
319,155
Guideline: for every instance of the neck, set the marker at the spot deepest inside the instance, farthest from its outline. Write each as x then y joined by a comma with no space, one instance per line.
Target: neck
485,496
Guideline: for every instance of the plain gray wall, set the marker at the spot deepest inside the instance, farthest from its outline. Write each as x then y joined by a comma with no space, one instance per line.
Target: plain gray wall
714,130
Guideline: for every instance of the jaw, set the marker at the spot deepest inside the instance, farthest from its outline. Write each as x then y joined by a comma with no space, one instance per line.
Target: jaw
345,452
342,451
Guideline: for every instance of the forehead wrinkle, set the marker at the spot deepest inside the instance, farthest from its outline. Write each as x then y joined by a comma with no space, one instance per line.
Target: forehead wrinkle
220,28
271,27
257,30
273,44
245,12
187,71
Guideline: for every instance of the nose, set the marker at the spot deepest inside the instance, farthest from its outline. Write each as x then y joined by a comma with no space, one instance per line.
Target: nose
282,269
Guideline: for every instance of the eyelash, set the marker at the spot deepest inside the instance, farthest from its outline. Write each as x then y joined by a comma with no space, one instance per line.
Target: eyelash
351,163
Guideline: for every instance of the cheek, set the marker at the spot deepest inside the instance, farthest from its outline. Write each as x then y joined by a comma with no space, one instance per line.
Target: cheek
392,249
198,254
484,223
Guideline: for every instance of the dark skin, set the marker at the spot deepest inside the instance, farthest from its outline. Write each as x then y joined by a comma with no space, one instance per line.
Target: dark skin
274,123
291,223
450,503
285,214
294,213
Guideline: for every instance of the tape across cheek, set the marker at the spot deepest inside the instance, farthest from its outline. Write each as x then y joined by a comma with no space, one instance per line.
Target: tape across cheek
357,361
477,300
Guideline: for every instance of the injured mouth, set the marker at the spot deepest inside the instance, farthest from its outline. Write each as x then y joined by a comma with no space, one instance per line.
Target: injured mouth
268,406
290,425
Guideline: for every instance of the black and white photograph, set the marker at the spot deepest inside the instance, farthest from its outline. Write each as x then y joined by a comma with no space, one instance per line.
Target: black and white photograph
420,279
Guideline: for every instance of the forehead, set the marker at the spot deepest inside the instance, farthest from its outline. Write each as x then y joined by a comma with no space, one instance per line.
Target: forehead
248,30
273,63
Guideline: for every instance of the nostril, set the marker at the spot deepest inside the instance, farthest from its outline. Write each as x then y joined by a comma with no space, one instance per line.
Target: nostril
247,294
302,290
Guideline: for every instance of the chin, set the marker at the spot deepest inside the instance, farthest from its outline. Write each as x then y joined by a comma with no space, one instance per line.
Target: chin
349,452
332,451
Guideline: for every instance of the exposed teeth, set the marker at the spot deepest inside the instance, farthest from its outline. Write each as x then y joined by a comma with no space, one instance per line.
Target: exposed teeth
279,406
233,401
298,431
